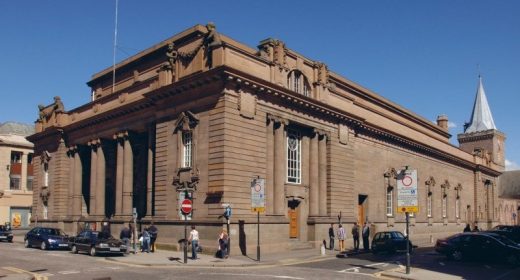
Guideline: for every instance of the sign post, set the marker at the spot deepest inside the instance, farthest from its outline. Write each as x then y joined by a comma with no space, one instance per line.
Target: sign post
258,205
186,207
407,202
134,234
227,215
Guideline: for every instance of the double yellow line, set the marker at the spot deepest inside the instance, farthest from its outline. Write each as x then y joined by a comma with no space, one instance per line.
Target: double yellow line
35,276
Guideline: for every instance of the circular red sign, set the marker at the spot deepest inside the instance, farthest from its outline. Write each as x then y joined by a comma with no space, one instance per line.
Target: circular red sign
186,206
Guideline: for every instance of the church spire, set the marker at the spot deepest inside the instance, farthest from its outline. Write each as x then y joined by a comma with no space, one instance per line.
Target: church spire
481,118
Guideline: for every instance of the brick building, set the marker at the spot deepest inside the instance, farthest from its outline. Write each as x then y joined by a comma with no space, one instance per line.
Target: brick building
204,113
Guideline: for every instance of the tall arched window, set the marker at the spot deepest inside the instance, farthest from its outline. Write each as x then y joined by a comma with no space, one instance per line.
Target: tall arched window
297,82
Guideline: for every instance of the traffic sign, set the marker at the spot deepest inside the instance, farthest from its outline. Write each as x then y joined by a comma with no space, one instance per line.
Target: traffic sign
186,206
257,195
407,191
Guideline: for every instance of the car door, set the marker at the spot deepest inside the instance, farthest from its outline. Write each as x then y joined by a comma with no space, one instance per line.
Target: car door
80,241
31,236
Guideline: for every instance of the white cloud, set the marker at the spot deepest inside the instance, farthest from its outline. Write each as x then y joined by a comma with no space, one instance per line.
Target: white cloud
452,124
511,165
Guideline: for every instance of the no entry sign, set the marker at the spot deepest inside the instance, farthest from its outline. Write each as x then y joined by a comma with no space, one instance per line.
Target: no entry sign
186,206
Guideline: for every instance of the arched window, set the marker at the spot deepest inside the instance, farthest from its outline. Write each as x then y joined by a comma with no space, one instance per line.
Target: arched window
297,82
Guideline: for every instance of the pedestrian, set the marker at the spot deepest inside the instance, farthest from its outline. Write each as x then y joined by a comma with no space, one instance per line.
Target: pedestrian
194,240
355,236
366,234
223,241
475,228
331,237
341,238
152,229
146,241
467,228
125,236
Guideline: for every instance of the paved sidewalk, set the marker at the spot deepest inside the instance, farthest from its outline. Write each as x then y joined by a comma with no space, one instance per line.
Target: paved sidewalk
176,258
14,274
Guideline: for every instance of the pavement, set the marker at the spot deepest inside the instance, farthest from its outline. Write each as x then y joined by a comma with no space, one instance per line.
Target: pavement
162,258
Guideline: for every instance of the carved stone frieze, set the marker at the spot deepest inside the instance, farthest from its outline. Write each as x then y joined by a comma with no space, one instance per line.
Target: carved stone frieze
186,121
187,179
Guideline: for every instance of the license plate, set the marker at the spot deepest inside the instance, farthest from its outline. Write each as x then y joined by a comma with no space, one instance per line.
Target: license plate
63,245
115,250
3,237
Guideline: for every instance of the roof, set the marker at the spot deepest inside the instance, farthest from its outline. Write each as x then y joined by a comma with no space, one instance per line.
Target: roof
15,140
16,128
481,118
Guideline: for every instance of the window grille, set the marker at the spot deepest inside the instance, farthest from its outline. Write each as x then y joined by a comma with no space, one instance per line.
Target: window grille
429,206
389,202
14,183
457,208
444,206
293,157
187,138
298,83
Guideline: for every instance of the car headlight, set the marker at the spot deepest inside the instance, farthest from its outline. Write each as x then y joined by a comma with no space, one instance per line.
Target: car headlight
51,240
103,245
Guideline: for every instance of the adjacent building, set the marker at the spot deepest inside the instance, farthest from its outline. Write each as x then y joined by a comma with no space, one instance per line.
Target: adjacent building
204,117
16,174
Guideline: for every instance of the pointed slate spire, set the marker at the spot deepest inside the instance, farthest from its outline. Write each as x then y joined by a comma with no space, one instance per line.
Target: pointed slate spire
481,118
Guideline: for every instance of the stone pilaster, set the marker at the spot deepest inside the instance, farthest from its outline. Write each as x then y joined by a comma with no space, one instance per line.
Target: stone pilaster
100,180
270,166
77,199
322,162
93,181
119,173
128,177
280,167
314,177
150,170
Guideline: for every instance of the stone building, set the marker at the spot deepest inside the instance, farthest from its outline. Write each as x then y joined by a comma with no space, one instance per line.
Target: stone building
203,113
16,174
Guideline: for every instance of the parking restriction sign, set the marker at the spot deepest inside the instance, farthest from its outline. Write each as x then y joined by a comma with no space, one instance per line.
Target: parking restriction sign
407,191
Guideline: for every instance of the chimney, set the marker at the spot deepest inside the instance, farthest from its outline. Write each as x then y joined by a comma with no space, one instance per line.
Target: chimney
442,121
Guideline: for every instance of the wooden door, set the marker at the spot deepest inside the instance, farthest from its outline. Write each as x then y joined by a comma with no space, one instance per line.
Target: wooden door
361,215
293,223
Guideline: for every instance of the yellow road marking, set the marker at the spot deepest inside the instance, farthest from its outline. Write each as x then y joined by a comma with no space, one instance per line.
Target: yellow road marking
21,271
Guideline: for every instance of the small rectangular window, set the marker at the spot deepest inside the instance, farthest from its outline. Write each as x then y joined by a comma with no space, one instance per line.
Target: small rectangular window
30,183
389,203
444,206
457,208
293,157
187,141
429,206
14,183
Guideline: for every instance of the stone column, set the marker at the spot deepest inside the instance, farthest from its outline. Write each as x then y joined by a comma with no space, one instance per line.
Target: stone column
128,177
269,182
70,195
93,180
149,175
100,180
23,179
119,175
280,167
314,180
77,201
322,151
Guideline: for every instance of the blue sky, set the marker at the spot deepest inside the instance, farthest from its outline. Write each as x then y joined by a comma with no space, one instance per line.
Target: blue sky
422,55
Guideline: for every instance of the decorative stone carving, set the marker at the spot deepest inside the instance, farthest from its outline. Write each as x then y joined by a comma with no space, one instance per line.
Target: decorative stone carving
45,157
343,134
44,195
50,112
246,104
265,49
212,39
280,53
172,55
323,73
430,183
445,186
186,121
186,179
391,177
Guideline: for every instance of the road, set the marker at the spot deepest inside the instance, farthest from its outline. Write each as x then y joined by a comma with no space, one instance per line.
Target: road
63,265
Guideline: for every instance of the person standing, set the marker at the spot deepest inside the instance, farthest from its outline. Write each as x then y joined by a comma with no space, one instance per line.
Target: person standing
146,241
475,228
194,240
467,228
331,237
355,236
366,234
125,236
223,243
341,238
153,235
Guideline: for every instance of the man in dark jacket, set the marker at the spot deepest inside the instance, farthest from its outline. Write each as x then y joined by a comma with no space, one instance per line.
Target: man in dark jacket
153,235
331,237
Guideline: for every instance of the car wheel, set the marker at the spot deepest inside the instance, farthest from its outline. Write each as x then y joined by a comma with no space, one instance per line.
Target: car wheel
74,249
26,243
43,246
456,255
92,251
512,259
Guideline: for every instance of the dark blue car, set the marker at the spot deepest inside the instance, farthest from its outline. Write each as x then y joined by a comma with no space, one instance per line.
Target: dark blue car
46,238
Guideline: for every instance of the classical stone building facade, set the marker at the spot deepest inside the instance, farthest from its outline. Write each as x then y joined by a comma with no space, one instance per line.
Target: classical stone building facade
204,113
16,174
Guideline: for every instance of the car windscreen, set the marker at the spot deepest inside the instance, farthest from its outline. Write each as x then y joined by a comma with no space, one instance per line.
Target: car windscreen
2,228
102,235
397,235
52,231
505,240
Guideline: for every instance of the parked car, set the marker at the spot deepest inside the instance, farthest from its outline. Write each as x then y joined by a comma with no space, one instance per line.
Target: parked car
511,235
96,242
479,246
6,234
390,241
46,238
514,231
